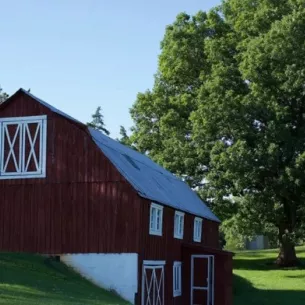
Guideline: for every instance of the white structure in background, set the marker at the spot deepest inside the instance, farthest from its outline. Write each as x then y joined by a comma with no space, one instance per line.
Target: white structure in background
259,242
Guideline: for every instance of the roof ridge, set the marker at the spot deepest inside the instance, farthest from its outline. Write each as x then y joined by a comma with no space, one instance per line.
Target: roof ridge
52,108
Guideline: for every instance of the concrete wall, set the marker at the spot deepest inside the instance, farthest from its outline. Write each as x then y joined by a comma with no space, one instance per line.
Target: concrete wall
118,272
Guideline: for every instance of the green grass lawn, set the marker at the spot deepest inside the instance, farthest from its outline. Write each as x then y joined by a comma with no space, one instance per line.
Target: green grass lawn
31,280
258,282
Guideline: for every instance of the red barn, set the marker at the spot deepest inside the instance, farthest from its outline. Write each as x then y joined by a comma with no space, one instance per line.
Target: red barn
110,212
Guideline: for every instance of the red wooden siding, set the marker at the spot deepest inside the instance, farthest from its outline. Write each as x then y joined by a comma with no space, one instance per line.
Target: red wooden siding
157,248
83,205
170,249
223,276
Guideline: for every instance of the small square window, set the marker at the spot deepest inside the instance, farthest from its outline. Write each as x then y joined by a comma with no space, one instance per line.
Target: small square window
156,215
179,225
177,283
197,229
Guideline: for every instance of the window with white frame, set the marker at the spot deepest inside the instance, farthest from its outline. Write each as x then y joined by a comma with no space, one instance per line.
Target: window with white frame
23,147
197,229
156,216
177,282
179,225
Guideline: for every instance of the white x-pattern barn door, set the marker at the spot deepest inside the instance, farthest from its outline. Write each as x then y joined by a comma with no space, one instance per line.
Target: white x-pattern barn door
153,283
23,147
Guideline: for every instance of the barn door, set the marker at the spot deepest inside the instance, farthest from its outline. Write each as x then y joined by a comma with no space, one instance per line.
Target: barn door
202,280
153,283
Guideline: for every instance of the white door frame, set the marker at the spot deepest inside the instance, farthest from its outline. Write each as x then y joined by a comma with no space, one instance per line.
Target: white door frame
153,265
210,290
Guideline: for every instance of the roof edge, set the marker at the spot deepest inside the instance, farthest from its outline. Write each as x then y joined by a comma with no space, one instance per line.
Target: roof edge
42,102
143,195
216,219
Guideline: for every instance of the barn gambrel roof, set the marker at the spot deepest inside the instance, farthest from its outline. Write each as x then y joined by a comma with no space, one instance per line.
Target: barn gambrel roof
149,179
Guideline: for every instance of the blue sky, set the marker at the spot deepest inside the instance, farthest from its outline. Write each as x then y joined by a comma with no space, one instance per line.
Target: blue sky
78,55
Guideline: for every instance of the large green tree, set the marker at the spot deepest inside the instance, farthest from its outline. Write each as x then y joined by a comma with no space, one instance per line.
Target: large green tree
227,113
162,126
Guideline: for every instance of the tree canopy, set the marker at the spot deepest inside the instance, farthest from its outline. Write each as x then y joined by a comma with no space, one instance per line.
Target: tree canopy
227,112
98,121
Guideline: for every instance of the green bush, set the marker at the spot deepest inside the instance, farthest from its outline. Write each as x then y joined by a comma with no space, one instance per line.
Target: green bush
234,240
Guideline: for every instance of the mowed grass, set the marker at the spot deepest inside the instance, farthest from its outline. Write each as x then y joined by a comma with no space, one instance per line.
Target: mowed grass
257,281
31,280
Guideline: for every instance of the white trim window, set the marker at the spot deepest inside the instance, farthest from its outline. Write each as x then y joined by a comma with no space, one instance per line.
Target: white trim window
156,218
179,225
23,147
177,279
197,229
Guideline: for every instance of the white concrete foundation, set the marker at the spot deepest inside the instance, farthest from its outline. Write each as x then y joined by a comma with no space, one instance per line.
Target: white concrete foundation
118,272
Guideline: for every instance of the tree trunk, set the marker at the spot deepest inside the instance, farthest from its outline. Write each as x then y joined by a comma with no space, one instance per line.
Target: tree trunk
287,255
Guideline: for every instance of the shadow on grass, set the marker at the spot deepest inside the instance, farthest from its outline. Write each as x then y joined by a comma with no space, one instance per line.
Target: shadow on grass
301,276
17,297
263,264
246,294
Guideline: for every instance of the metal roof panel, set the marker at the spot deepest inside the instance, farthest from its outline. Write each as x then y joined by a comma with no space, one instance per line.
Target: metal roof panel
151,180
